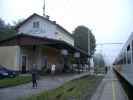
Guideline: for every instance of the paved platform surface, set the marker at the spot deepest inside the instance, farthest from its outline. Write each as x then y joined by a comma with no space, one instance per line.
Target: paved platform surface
48,83
110,89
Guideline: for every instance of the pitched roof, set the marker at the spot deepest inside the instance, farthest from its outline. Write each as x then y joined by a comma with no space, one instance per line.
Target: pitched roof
44,18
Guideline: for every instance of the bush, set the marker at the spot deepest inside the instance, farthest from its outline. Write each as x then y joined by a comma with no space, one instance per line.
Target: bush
8,82
45,70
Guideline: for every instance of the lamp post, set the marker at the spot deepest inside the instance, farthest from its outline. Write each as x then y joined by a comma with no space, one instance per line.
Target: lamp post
77,56
64,53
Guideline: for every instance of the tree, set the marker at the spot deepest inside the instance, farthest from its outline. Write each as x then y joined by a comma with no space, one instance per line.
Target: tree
92,44
99,63
2,24
99,60
6,30
84,39
16,23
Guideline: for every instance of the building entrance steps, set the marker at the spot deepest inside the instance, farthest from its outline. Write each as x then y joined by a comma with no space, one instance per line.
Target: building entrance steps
110,89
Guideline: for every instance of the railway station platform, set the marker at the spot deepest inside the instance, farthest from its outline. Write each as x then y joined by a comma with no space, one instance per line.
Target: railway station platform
110,89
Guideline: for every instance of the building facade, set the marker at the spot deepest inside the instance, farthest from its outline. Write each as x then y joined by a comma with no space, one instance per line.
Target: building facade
41,26
38,41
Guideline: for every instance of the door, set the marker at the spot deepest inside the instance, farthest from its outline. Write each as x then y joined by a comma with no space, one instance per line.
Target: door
24,61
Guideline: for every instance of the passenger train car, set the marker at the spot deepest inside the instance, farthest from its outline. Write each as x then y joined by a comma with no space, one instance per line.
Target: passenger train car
123,66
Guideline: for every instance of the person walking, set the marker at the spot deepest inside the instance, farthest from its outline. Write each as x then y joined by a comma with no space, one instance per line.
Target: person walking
53,69
34,76
106,69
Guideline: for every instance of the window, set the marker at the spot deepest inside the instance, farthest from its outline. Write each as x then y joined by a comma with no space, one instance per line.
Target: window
36,24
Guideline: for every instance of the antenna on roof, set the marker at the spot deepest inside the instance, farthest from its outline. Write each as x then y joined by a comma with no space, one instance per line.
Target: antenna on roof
44,9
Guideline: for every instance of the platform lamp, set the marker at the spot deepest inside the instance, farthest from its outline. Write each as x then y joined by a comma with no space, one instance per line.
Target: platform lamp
77,56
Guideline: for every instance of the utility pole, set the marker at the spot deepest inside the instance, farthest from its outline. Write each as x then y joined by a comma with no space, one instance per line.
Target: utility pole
44,8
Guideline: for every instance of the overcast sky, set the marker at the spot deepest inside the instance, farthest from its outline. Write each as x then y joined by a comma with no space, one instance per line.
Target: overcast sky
109,20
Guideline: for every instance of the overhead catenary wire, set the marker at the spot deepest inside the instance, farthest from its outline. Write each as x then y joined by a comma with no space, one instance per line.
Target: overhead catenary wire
106,44
110,43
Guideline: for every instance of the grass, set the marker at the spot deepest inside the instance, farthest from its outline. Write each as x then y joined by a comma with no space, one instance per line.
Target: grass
78,89
100,70
8,82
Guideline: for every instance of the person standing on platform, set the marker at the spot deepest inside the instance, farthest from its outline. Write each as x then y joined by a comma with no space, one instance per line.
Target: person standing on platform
106,69
34,76
53,69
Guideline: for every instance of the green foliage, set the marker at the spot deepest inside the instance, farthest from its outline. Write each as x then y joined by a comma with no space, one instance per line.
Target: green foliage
81,38
45,70
6,33
16,23
71,60
92,44
84,39
6,30
76,89
99,60
8,82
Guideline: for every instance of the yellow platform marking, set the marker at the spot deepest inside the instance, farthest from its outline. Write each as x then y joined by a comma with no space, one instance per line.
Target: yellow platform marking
113,90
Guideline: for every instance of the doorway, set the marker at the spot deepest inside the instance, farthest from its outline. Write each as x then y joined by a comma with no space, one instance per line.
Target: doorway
24,63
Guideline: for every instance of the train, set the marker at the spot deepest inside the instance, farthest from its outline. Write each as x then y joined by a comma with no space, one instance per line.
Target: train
123,66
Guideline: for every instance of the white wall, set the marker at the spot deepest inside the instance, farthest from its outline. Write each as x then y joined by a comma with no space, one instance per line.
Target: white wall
9,57
61,35
46,29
